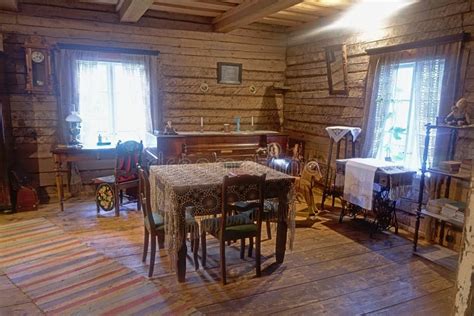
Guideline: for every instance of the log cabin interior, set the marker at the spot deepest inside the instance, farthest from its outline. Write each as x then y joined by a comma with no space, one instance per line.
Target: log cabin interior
236,156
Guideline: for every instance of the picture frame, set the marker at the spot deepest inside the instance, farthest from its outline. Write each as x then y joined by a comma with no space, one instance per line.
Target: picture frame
229,73
336,63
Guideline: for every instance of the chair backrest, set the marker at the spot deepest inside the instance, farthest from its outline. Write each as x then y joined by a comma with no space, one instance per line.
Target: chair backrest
128,155
274,150
255,187
144,198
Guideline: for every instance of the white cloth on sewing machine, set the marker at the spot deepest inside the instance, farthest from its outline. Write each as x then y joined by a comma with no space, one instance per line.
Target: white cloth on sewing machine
359,180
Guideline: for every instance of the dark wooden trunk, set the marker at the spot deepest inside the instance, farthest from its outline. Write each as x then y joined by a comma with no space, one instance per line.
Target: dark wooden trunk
5,139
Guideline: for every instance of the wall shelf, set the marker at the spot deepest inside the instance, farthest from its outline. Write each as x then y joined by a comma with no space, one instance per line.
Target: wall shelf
281,87
437,253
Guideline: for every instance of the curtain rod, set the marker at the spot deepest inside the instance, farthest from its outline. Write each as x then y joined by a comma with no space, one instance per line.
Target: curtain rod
460,37
105,49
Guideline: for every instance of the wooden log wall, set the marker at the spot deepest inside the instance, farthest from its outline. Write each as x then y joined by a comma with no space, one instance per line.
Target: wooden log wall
189,56
309,108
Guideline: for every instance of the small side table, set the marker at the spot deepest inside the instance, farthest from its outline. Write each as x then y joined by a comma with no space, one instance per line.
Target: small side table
337,134
67,155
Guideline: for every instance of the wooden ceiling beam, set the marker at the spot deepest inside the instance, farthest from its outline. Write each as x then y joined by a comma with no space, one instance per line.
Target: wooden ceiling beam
119,5
292,16
133,10
250,11
200,4
270,20
186,10
10,5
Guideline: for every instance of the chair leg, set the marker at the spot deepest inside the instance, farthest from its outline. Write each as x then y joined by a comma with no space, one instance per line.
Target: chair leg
152,256
117,201
203,246
223,270
145,244
250,246
121,197
161,239
258,243
242,248
97,202
269,229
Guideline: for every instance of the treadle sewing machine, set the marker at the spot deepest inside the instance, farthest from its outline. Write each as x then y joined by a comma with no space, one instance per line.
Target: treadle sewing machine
388,182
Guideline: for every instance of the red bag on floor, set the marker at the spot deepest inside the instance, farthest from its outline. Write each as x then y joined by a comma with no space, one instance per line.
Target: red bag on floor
26,199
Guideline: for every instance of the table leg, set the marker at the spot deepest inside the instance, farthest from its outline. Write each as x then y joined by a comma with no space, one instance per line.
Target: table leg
59,181
181,255
282,228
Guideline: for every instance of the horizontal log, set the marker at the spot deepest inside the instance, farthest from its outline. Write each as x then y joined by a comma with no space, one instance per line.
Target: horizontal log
34,123
211,73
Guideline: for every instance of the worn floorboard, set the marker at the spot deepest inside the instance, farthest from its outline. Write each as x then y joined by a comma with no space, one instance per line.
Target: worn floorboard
334,269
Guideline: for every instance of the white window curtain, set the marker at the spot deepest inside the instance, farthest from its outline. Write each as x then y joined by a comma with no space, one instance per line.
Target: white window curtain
433,87
114,99
91,82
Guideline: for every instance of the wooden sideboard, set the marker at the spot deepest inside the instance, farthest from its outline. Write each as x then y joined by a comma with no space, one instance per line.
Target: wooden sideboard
170,149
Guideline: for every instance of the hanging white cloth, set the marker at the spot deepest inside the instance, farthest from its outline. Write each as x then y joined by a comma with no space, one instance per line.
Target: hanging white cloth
359,180
338,132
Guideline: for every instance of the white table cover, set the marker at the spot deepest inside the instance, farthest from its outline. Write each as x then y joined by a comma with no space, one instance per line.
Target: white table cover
338,132
359,180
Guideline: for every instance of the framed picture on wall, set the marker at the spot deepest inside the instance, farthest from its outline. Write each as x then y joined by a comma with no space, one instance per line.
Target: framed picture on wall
229,73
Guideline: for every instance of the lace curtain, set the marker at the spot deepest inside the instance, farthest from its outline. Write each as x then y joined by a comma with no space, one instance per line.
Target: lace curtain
114,99
94,82
434,77
381,96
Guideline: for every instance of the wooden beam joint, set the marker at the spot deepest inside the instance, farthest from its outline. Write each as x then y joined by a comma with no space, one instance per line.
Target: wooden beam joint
250,11
133,10
10,5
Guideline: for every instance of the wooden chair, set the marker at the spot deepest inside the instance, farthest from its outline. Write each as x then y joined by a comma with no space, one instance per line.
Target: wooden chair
229,227
109,189
270,210
155,224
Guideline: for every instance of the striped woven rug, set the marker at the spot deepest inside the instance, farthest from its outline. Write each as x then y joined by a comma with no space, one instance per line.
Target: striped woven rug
63,276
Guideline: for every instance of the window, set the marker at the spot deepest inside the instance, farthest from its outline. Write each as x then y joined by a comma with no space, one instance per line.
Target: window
407,98
114,101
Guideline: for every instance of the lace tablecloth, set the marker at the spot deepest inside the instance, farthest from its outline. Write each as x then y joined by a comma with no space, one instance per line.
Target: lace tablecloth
177,187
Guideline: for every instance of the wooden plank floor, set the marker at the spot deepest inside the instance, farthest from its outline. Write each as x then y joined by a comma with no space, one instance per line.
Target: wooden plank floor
334,269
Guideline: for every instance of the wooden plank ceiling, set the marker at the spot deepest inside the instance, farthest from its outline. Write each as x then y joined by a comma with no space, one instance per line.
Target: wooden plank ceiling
230,14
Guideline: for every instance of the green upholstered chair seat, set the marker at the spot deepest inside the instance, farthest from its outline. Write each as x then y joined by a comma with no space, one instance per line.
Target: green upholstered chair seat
160,221
240,231
237,232
235,226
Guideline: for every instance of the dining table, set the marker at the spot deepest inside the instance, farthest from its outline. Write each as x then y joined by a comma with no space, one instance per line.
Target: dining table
180,187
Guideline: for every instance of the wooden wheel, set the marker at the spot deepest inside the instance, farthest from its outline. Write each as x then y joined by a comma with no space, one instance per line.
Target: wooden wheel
104,196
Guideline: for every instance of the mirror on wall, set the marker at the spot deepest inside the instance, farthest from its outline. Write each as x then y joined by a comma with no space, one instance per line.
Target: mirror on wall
336,62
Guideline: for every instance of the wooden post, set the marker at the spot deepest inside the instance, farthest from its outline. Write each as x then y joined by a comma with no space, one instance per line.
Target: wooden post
326,178
422,186
464,302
